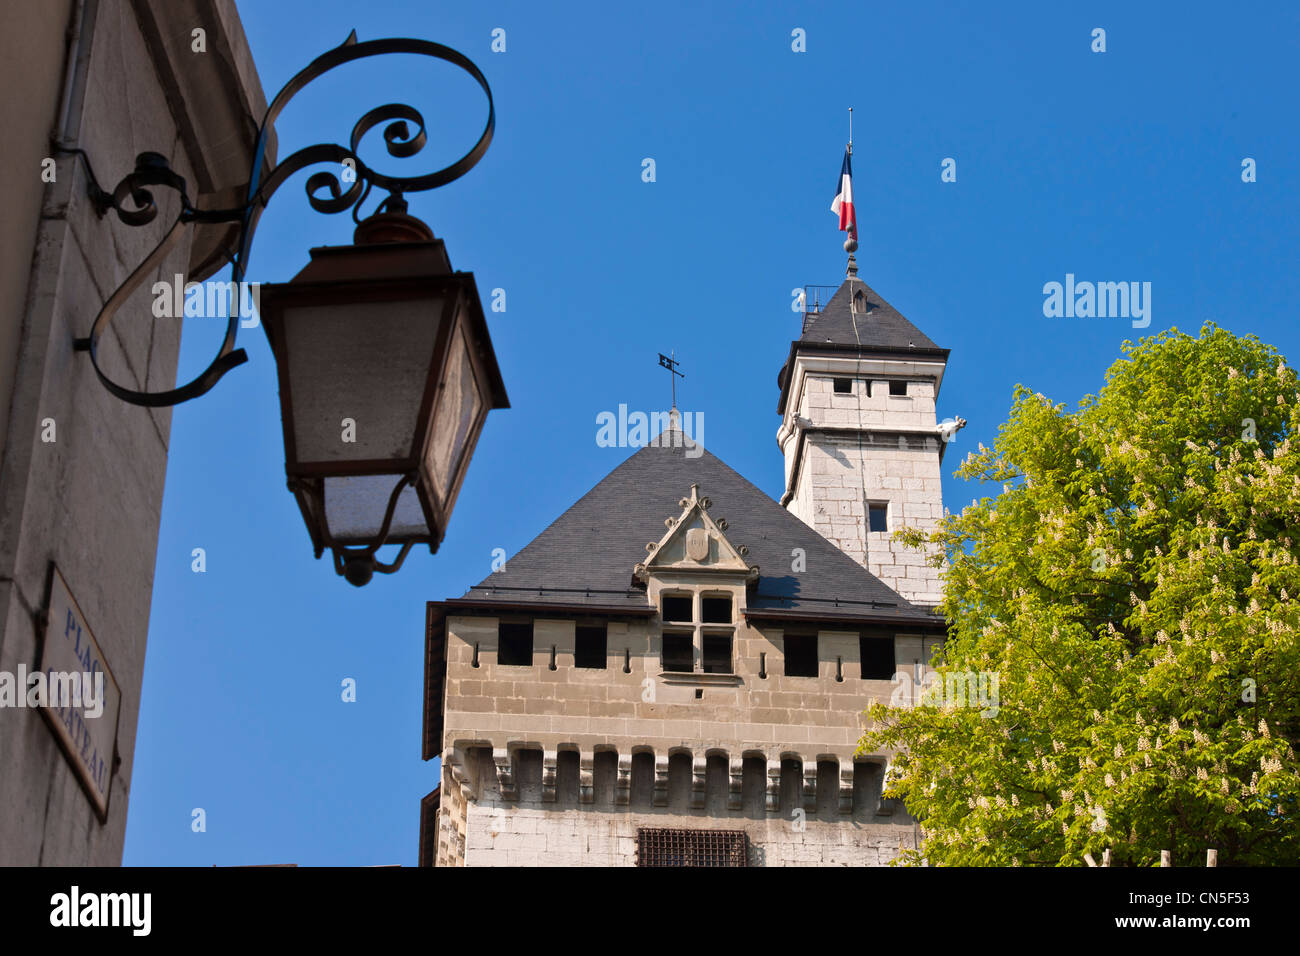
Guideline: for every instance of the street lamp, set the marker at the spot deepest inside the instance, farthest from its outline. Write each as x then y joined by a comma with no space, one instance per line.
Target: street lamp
385,365
386,374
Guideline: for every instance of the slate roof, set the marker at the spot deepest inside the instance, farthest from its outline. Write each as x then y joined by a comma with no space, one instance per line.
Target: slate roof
880,326
837,328
585,558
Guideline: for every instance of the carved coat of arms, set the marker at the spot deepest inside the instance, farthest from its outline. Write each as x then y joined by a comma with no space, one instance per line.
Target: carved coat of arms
697,544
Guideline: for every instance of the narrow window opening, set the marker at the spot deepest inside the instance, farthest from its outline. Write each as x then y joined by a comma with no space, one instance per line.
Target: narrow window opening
801,655
515,643
877,656
897,388
877,516
843,386
590,646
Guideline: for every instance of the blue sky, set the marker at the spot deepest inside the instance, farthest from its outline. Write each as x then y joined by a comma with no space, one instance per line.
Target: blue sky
1115,166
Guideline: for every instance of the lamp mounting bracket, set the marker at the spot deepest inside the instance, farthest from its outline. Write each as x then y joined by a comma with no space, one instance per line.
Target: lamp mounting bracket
328,191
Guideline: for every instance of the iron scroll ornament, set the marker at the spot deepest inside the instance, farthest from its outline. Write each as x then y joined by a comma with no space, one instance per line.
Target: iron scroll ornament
325,193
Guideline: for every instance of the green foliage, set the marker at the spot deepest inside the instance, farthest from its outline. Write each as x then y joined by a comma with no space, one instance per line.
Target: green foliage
1129,586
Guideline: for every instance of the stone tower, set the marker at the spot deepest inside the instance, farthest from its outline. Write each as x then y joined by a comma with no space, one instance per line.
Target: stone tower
859,433
673,673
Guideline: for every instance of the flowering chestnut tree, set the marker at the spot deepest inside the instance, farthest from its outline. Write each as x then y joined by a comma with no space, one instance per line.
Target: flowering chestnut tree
1132,588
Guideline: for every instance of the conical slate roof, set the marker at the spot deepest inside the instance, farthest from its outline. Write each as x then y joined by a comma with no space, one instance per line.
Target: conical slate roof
587,555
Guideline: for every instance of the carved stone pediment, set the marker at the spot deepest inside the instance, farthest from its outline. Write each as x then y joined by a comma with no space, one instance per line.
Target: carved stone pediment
695,541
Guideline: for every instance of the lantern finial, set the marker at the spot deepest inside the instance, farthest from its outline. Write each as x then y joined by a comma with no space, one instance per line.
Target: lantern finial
391,223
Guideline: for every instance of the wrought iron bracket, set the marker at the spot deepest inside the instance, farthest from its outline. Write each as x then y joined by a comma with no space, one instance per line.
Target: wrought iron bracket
134,203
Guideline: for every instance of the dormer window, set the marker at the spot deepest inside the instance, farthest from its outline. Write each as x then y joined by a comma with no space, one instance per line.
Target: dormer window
859,301
706,626
678,607
716,610
717,654
697,577
678,651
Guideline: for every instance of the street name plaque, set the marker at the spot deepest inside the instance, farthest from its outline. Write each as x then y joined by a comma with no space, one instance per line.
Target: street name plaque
82,699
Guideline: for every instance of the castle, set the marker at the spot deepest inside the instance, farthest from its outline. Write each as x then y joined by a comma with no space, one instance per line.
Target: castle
673,673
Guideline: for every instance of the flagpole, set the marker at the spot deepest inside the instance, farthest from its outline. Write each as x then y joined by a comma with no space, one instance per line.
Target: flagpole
851,242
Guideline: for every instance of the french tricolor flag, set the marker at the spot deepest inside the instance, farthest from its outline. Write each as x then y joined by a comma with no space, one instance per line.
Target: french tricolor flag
843,203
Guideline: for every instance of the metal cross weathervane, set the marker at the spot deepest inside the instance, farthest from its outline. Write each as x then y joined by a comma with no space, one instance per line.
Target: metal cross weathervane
671,364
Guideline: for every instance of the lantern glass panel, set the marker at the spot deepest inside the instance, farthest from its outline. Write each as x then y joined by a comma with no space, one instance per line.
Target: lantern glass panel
459,406
364,361
355,508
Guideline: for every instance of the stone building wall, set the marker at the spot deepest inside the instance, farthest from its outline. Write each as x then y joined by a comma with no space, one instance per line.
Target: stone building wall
82,473
501,835
890,460
571,755
776,713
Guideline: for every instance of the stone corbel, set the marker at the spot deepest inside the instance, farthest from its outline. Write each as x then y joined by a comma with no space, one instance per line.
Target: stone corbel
735,784
587,778
884,807
548,776
774,786
810,788
699,781
459,776
502,758
623,789
661,781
